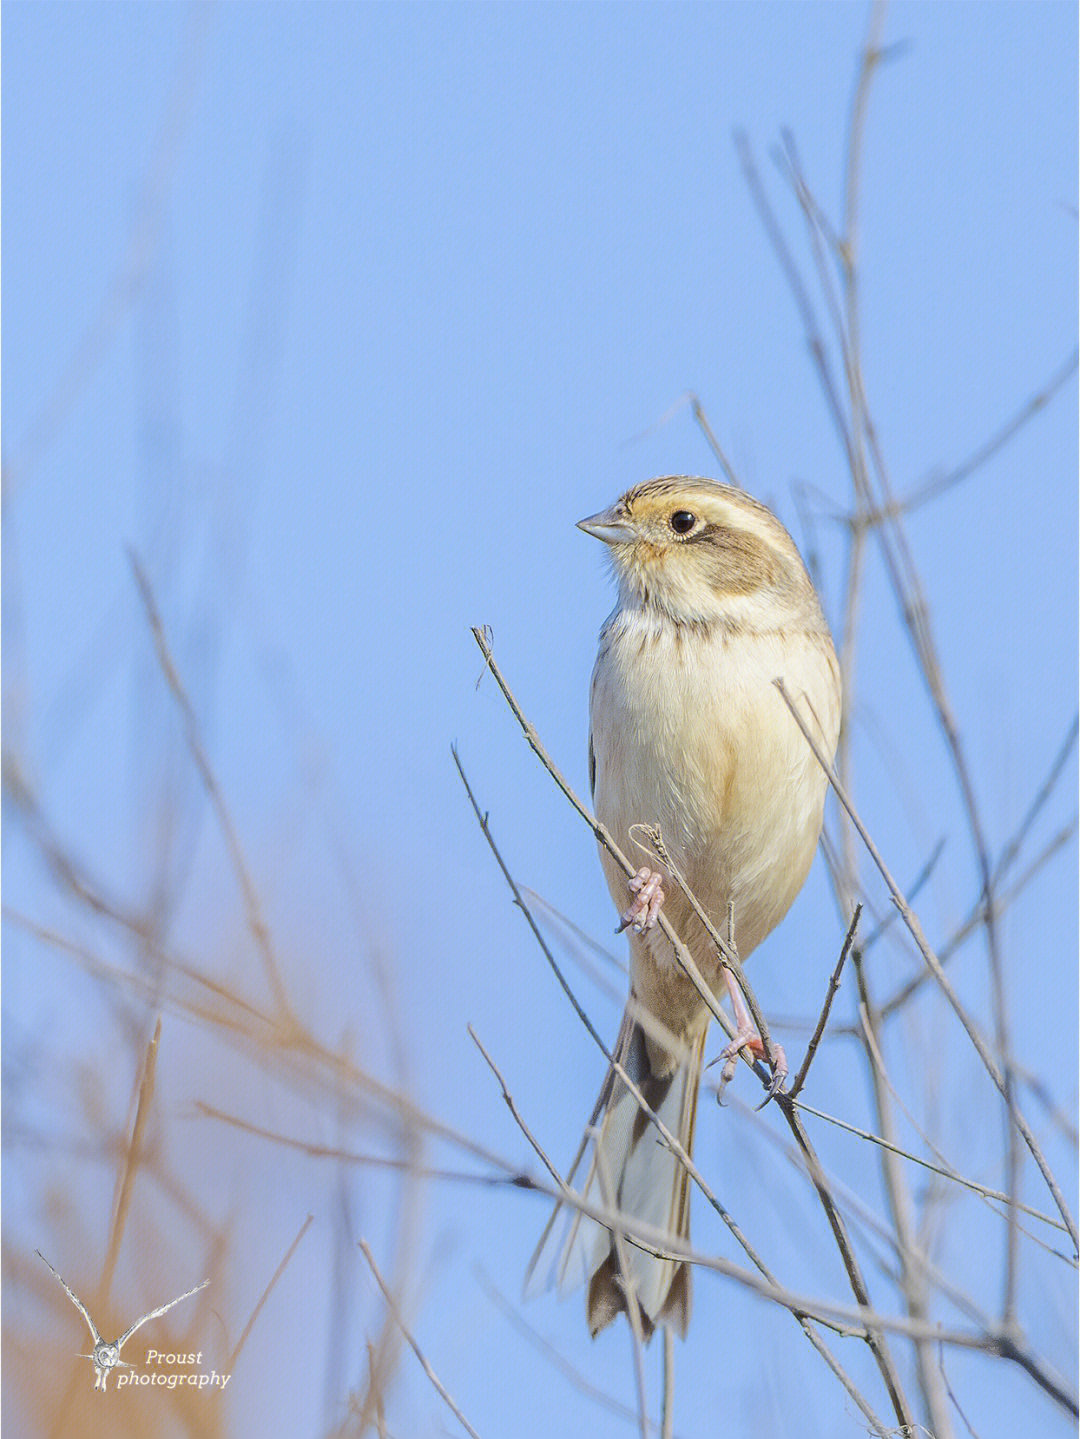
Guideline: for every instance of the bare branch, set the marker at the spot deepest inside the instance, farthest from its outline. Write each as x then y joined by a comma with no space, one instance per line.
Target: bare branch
942,1170
512,1106
934,964
823,1017
1002,900
939,482
1045,790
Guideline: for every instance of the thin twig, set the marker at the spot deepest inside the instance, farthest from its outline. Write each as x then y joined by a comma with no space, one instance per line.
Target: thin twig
391,1304
512,1106
823,1017
911,1279
396,1163
948,1390
1002,900
725,947
519,900
856,428
908,589
573,1375
375,1389
912,892
937,483
603,835
874,1334
667,1407
713,443
1042,794
943,1171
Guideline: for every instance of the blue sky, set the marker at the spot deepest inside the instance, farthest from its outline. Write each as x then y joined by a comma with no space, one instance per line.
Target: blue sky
340,316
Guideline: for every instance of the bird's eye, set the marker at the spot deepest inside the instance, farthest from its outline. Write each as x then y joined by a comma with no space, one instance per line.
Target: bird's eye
682,522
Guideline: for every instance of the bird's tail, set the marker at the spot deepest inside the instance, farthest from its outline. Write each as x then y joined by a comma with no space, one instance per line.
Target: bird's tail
635,1173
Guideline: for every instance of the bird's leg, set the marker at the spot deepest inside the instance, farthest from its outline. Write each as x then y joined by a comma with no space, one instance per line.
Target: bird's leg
746,1036
648,897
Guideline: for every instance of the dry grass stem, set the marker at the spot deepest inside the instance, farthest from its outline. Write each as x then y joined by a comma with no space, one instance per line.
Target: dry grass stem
132,1159
265,1295
193,735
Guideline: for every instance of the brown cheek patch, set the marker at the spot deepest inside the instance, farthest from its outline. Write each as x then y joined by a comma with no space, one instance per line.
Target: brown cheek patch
738,563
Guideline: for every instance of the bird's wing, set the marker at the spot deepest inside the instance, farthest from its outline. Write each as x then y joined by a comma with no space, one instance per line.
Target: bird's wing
155,1312
79,1305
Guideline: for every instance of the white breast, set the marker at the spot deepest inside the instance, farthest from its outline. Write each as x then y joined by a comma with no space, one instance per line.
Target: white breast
690,733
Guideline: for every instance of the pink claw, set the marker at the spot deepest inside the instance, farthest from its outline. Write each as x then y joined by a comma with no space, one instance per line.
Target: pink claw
646,887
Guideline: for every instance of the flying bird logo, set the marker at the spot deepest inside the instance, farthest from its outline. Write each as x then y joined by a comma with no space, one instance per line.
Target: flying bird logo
106,1355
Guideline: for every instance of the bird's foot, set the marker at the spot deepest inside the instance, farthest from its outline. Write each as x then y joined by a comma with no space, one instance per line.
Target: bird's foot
747,1037
648,893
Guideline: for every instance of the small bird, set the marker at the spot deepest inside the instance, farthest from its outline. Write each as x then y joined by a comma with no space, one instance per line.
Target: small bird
689,734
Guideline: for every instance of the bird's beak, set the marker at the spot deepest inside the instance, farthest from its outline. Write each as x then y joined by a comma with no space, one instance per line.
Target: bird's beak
610,526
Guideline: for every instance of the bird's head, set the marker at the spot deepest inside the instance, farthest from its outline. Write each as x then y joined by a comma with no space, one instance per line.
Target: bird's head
700,552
